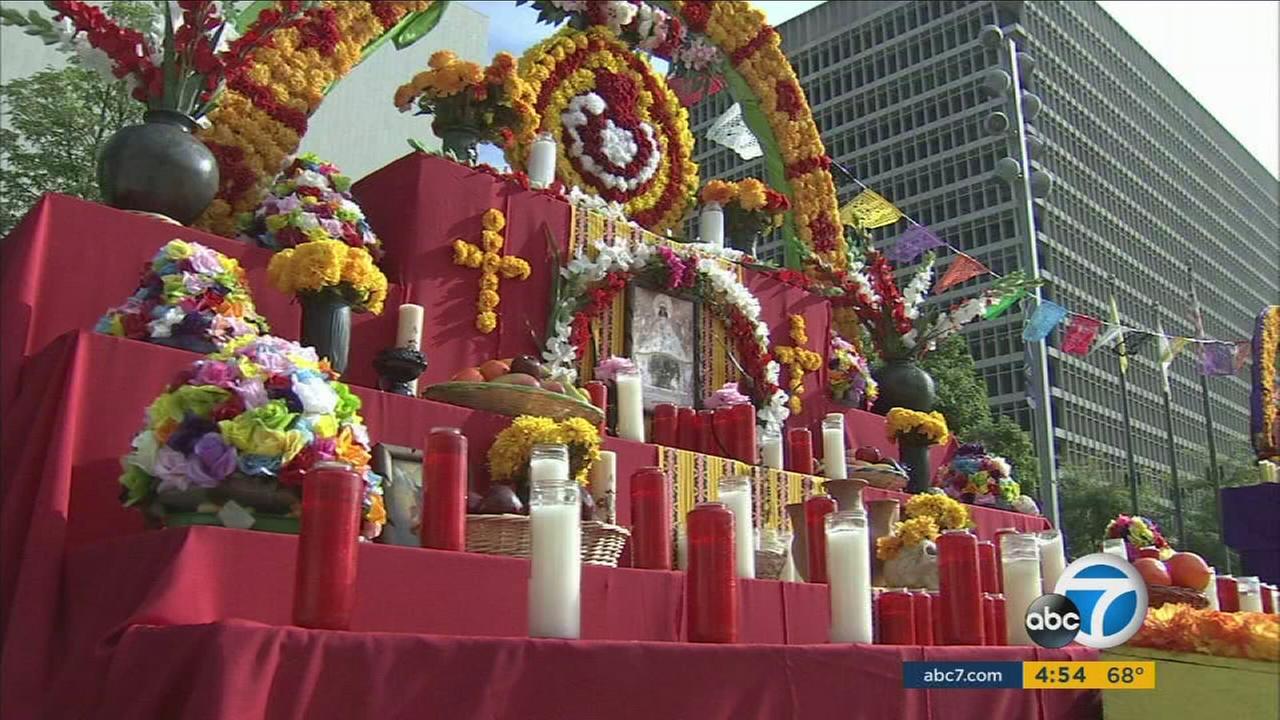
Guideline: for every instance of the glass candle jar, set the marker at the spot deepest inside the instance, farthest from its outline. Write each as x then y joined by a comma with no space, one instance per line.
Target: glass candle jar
1115,546
555,555
1020,561
1250,593
896,622
800,451
816,510
1228,593
712,579
650,519
707,444
922,616
630,402
548,461
542,161
663,427
833,460
996,539
960,588
1053,559
599,394
324,588
989,619
687,435
444,489
734,492
771,449
848,566
987,566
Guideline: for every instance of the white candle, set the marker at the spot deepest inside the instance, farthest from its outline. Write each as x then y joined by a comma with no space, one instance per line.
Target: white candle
1211,590
735,493
682,547
1115,546
833,463
604,487
548,462
1020,566
555,568
771,450
409,334
711,225
1269,471
630,406
849,576
1053,559
1250,594
1275,601
542,161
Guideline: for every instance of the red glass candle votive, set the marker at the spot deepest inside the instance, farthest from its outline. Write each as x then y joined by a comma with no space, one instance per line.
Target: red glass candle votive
444,489
712,578
989,619
650,519
897,625
745,433
687,437
707,433
663,431
800,451
324,588
816,510
1268,602
960,588
935,607
922,616
987,566
1002,629
996,539
725,431
1228,594
599,394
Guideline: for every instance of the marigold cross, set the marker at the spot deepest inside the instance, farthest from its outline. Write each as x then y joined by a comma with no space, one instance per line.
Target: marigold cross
799,361
492,263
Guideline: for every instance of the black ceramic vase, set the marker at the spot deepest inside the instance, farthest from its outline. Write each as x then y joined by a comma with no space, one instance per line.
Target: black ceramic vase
915,458
904,384
159,167
326,326
460,141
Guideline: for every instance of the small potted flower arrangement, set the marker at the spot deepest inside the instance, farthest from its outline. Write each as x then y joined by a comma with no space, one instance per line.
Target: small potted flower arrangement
750,209
190,297
976,477
310,200
909,554
231,440
850,379
471,104
1139,534
915,431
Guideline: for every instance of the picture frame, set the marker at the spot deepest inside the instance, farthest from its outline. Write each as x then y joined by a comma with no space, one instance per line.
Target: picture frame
401,469
663,338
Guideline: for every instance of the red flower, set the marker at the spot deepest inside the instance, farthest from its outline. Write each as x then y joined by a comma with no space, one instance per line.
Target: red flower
229,409
825,234
135,326
761,39
696,13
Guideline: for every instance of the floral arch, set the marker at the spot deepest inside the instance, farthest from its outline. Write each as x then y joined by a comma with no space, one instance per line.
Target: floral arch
263,114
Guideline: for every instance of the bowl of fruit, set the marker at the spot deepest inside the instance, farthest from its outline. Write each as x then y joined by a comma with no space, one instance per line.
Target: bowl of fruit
869,464
1181,578
513,387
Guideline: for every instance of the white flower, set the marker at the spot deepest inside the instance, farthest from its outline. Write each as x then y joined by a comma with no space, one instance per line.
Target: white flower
311,178
162,327
316,396
143,456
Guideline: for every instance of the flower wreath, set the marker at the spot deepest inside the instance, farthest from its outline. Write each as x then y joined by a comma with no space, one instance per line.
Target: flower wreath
591,281
621,133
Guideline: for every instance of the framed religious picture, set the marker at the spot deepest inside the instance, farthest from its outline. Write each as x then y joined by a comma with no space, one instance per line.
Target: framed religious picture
401,468
662,340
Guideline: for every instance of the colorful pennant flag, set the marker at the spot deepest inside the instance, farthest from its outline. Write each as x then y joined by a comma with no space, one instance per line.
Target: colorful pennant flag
1046,317
1006,302
1121,350
1244,351
1217,359
961,268
869,210
916,240
1168,349
1079,334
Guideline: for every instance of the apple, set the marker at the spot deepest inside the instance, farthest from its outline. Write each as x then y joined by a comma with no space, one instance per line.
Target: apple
553,385
1152,571
527,364
868,454
1188,570
500,500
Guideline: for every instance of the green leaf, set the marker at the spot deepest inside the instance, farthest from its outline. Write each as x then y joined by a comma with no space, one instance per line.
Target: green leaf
248,15
12,17
418,25
416,144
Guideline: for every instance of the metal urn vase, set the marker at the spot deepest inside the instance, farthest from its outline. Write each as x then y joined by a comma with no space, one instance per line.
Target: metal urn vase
160,167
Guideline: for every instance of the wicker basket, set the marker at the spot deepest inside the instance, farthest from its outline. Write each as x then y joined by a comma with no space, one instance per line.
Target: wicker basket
1158,595
509,535
513,400
769,564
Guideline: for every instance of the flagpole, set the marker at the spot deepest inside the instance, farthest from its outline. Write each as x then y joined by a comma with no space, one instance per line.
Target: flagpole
1122,358
1166,391
1215,473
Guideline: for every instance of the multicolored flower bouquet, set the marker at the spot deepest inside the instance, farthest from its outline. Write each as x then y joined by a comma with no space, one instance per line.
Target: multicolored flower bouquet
1138,532
231,440
750,207
310,200
471,104
973,476
509,453
190,297
850,378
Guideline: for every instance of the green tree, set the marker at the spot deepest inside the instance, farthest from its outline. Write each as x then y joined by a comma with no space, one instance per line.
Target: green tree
1095,498
54,124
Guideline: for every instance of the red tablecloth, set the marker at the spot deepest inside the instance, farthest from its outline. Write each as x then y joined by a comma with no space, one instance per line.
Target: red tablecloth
241,670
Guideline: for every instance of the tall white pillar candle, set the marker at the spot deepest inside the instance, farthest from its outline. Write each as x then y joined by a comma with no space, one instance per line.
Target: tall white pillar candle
1053,559
548,462
542,161
1020,565
849,576
630,406
711,225
1115,546
771,450
1211,591
1250,594
409,333
604,487
555,567
735,493
833,462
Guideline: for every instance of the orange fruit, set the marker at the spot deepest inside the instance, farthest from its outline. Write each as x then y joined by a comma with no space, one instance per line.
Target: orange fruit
1188,570
468,375
494,368
1152,571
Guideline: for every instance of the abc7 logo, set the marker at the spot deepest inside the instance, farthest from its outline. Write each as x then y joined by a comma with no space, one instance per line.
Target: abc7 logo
1100,602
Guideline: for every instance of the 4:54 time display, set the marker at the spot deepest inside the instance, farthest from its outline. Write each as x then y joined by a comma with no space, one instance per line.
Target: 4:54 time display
1060,674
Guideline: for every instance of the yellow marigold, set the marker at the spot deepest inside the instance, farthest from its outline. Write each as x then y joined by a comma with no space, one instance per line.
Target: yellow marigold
751,194
488,281
493,220
509,453
377,511
718,191
318,264
515,268
931,427
492,240
916,530
440,59
887,546
486,322
280,271
466,254
491,262
487,300
948,514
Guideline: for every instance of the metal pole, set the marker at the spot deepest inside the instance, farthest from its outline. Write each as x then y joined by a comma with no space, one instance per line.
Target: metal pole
1167,392
1042,414
1131,464
1215,474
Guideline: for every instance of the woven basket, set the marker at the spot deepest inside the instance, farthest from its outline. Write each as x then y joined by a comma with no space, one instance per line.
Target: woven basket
769,564
509,535
513,400
1158,595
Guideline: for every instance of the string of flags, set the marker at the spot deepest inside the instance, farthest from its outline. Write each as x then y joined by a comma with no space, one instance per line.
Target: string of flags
1081,333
